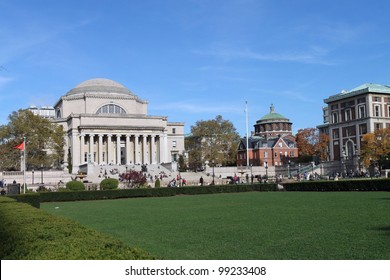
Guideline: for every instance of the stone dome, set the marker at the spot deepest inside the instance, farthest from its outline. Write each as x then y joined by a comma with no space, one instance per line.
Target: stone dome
99,85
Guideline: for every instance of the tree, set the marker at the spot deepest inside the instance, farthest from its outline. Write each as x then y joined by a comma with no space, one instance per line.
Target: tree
311,143
375,147
44,141
133,179
214,141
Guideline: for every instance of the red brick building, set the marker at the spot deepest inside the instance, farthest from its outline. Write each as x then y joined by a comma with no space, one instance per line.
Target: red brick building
272,142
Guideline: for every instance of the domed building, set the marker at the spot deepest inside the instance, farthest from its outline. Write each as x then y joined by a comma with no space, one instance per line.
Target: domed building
108,124
272,142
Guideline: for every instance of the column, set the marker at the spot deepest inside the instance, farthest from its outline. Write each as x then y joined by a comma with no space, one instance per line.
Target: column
109,148
118,149
144,155
82,143
153,149
100,148
127,149
92,160
136,149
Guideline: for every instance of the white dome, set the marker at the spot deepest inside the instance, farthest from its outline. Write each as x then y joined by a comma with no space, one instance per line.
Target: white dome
100,85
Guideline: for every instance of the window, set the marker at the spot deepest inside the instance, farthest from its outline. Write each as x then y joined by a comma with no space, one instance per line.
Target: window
174,144
377,111
348,115
266,154
362,111
335,117
111,109
335,134
378,126
362,129
174,130
292,154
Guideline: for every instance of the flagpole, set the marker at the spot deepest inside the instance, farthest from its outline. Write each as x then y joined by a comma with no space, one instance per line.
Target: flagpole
247,134
24,165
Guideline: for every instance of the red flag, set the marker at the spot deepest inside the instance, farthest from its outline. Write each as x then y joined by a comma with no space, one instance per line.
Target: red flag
20,146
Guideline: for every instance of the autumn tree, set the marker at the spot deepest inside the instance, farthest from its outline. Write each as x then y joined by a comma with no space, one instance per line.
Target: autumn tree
311,143
214,140
44,141
375,146
133,179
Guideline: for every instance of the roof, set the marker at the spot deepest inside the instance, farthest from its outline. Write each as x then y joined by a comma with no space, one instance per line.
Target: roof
272,115
99,85
365,88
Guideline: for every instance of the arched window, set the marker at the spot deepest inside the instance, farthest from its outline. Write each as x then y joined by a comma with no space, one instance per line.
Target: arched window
58,115
111,109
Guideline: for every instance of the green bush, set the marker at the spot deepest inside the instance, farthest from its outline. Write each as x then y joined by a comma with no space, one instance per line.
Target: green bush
75,186
31,234
109,184
157,183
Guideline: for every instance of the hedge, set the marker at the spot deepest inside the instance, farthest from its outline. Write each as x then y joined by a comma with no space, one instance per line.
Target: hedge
340,185
28,233
154,192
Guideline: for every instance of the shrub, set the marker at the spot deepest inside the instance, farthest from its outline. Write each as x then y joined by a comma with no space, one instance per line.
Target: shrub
31,234
340,185
109,184
157,184
75,186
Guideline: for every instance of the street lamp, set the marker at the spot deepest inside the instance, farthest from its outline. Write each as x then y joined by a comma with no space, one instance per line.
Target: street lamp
266,170
213,172
32,171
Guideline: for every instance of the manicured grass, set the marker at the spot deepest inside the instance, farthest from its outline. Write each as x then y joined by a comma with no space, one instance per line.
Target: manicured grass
255,225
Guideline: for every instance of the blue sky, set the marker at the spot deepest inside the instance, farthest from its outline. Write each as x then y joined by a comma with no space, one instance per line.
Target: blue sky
195,59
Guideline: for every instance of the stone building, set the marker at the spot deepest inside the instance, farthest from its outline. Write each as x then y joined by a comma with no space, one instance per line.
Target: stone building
105,123
271,144
351,114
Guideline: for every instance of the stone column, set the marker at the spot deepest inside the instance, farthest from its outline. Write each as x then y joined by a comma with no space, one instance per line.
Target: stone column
144,154
127,149
118,149
82,143
100,148
136,149
109,148
91,148
153,149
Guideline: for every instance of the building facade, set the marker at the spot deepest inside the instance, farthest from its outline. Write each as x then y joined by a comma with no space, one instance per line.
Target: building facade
105,123
271,144
351,114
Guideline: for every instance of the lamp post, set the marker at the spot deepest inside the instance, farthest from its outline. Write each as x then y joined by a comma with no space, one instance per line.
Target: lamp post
32,172
266,170
42,174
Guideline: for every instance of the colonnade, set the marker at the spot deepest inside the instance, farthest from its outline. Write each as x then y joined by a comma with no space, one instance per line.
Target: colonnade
119,149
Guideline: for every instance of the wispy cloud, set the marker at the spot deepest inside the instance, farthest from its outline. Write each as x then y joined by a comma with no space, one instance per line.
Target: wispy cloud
313,55
197,107
5,80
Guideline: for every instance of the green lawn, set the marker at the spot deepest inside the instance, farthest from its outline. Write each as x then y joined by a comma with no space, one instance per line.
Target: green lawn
255,225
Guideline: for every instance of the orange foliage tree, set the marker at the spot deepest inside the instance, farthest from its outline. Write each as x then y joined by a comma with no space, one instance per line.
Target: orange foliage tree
375,146
312,143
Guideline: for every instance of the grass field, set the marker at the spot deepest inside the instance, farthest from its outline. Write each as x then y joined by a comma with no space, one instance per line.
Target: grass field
255,225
